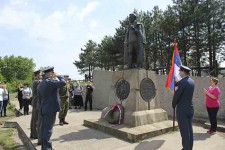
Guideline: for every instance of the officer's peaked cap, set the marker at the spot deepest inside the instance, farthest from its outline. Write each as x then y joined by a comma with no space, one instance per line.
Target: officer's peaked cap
37,72
48,69
185,69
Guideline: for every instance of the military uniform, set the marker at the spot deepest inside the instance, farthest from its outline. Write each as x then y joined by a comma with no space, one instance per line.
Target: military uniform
35,112
64,103
49,106
183,101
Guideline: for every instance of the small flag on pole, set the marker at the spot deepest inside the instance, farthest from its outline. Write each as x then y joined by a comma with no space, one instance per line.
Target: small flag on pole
174,70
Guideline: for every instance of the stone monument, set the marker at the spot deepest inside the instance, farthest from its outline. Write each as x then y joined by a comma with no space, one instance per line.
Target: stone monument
134,43
135,88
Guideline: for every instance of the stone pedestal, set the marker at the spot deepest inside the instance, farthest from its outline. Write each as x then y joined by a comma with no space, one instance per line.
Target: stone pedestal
137,110
143,118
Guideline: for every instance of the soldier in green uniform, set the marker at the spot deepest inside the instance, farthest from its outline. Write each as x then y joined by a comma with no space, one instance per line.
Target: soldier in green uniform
64,102
34,117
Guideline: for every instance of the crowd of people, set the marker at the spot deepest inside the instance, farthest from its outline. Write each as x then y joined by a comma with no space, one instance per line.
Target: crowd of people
49,94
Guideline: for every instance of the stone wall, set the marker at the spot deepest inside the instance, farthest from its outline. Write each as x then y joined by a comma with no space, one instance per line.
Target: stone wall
165,96
104,96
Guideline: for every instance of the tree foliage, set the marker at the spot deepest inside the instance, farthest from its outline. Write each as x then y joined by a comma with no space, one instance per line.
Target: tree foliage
197,25
14,70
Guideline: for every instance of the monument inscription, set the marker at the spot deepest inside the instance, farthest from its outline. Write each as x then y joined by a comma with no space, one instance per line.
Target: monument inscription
147,89
122,89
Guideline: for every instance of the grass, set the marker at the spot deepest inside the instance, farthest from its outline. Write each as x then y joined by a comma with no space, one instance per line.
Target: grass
6,139
6,135
10,114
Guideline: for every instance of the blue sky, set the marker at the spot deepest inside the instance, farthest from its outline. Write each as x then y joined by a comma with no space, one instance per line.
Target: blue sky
52,32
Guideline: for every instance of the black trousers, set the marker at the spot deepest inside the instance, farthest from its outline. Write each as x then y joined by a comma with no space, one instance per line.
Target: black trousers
26,106
88,99
186,131
48,121
5,103
212,112
20,102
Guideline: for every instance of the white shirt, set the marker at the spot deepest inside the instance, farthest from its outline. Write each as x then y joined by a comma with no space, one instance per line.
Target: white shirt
1,94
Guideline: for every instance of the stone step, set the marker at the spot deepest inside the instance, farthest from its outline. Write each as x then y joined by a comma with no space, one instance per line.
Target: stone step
131,134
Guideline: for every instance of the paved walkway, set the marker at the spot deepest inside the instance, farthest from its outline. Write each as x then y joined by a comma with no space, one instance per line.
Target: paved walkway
77,137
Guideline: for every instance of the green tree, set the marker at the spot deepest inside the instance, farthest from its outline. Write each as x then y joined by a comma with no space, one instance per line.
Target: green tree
87,62
16,69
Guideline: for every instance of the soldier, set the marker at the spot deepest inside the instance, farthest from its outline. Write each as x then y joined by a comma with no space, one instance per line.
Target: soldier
183,102
34,117
64,102
39,122
49,104
71,88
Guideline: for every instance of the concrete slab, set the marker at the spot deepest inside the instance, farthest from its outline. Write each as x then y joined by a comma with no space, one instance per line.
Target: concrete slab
131,134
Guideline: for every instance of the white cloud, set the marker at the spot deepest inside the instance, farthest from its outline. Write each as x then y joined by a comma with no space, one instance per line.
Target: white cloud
19,2
91,6
48,28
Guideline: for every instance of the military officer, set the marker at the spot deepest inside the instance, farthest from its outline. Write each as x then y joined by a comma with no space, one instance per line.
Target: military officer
183,101
34,117
64,102
49,104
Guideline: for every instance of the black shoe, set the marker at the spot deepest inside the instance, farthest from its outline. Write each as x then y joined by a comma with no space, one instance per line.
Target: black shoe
60,122
75,107
64,122
39,143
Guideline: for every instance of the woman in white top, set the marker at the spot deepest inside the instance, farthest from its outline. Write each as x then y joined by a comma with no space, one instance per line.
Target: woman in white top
78,99
5,101
2,91
27,92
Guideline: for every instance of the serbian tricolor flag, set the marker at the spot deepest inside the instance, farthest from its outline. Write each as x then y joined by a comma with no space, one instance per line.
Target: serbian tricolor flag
174,70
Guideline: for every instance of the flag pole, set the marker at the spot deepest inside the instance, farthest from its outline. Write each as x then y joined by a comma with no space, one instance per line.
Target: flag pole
174,110
174,118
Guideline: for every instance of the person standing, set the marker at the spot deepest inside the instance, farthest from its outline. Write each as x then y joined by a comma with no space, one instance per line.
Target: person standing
78,99
5,101
2,92
71,88
34,117
212,103
49,104
89,91
20,96
183,102
27,92
64,102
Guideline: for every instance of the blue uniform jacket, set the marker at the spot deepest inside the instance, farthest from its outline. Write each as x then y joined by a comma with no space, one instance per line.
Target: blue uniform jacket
183,97
48,95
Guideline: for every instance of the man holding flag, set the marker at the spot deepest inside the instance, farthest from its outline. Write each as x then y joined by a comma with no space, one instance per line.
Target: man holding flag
182,99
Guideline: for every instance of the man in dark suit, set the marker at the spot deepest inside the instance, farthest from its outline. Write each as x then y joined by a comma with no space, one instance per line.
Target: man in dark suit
183,100
49,104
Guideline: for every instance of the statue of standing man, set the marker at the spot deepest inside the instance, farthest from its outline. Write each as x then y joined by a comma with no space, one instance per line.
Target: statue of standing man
134,43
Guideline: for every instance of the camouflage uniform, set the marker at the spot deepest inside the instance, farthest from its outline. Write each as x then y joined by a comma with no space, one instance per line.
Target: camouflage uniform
64,104
34,117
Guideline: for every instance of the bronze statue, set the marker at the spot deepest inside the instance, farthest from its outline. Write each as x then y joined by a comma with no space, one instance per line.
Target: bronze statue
134,43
